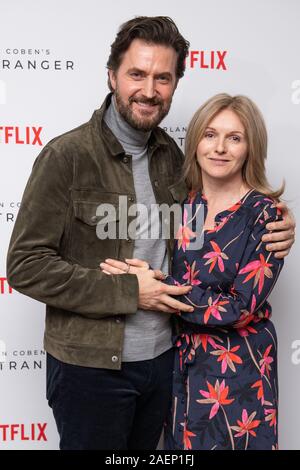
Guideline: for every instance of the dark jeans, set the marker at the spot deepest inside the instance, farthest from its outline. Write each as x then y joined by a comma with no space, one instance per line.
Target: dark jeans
110,409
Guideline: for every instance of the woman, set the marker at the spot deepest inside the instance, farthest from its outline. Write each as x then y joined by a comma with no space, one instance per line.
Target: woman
225,393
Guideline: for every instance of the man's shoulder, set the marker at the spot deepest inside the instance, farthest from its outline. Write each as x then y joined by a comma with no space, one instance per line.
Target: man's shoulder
162,137
81,137
74,138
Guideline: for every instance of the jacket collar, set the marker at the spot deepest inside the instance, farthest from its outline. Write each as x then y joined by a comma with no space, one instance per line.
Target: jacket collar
156,139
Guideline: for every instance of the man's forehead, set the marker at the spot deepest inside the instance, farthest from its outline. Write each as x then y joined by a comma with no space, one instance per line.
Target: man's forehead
144,54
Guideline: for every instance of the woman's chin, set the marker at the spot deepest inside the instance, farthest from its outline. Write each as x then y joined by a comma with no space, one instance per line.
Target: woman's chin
219,176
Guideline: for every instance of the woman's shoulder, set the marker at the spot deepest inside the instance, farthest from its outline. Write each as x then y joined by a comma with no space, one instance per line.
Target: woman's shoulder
194,196
262,207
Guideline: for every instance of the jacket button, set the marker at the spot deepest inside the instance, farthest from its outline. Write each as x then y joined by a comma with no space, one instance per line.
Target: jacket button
118,320
115,359
131,199
125,159
94,218
156,183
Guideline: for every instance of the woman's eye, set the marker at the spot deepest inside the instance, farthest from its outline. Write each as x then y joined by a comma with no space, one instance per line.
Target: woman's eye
235,138
209,135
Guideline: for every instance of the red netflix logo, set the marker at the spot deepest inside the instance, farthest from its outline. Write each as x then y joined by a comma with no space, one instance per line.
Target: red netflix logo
4,286
21,135
206,60
23,432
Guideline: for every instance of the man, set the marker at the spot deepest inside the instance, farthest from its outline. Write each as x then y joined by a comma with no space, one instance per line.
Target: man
108,338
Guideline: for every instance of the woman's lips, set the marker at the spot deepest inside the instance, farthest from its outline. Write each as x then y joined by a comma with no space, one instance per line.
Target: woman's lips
219,161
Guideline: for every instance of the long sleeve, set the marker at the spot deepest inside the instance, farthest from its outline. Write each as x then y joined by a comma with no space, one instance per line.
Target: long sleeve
256,275
34,264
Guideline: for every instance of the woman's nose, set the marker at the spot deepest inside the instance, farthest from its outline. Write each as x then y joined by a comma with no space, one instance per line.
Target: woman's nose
220,146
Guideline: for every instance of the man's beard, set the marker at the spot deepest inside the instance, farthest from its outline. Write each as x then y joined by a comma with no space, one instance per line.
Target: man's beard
146,123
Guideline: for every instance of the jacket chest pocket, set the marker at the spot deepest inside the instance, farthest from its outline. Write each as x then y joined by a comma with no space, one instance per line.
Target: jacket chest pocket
94,233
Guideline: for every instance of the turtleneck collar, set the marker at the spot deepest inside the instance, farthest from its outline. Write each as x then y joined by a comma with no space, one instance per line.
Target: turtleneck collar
124,132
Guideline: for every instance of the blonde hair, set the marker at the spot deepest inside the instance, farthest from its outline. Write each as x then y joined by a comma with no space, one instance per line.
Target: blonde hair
253,171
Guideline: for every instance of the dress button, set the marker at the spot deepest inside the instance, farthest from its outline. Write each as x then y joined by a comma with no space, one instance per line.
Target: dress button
115,359
125,159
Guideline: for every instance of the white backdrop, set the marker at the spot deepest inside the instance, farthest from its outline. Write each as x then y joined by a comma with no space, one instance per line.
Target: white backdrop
67,41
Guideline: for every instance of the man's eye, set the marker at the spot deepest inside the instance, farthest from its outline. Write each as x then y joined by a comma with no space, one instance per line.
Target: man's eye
135,74
162,78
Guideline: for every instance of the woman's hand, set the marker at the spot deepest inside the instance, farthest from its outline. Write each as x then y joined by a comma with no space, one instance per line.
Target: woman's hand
153,295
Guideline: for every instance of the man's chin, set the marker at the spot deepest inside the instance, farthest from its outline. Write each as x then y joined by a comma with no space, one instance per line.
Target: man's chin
145,123
141,120
145,126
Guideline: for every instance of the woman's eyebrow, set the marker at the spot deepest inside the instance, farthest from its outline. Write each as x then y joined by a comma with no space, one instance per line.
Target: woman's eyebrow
230,132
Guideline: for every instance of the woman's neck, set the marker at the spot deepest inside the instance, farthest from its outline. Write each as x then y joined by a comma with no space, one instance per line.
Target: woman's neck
224,193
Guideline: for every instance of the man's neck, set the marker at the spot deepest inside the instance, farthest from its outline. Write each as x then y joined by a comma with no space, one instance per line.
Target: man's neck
124,132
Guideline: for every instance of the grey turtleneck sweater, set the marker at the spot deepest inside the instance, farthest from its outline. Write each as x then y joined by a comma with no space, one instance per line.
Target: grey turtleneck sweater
147,333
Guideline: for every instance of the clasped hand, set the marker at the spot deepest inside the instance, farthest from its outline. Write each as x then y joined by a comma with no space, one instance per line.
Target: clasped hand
153,293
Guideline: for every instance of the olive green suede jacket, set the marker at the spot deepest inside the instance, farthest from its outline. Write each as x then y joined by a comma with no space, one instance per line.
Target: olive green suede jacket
54,252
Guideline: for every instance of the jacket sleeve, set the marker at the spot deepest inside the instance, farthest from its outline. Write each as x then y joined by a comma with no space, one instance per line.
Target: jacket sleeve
34,265
255,279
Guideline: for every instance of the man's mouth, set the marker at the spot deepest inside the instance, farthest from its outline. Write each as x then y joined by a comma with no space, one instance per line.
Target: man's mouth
146,109
145,105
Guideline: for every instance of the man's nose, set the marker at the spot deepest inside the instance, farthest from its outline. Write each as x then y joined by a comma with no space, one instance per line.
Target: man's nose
149,87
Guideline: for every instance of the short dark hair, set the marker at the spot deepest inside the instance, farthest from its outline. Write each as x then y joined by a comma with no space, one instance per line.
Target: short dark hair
153,30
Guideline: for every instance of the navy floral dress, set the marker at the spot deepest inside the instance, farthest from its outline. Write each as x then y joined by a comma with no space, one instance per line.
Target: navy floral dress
225,393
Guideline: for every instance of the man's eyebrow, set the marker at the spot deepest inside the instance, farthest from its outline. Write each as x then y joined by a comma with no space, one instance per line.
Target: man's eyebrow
142,72
165,74
135,69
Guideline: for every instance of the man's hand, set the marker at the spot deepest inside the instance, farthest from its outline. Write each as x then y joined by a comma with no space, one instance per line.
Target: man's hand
131,266
283,236
153,294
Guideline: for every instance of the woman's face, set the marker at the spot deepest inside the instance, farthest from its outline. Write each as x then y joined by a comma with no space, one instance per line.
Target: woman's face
223,149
